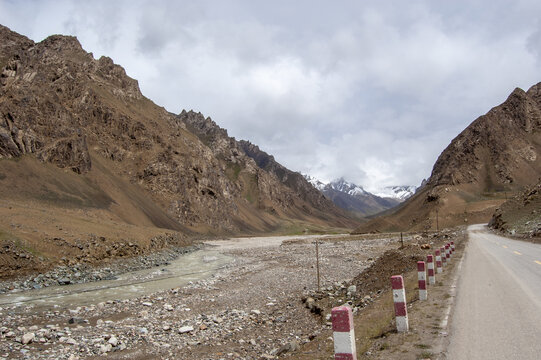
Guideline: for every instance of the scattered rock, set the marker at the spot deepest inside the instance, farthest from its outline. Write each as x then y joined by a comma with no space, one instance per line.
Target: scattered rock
27,338
185,329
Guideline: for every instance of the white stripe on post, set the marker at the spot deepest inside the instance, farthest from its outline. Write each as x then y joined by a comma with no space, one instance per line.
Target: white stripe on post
399,297
430,265
421,276
443,257
438,262
343,333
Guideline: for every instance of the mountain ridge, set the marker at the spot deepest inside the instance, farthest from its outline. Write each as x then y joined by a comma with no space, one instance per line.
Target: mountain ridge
354,198
75,128
496,155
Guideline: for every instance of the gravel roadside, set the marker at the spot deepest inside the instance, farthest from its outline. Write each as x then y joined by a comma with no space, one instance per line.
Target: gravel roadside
250,309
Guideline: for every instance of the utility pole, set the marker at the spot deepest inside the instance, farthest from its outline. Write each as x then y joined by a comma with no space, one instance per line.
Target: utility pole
317,264
401,240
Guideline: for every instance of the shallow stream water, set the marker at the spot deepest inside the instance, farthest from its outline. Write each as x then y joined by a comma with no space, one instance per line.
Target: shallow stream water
193,267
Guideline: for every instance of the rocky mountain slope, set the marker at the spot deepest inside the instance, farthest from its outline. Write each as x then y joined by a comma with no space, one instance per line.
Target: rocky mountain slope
498,154
79,141
520,215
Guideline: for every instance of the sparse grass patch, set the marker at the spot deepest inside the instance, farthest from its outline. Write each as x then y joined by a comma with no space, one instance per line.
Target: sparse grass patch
425,355
422,346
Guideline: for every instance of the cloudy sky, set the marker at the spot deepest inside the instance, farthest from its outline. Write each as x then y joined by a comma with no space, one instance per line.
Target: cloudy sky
369,90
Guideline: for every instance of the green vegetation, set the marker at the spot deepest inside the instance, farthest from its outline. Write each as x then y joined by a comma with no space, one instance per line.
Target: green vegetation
425,355
7,236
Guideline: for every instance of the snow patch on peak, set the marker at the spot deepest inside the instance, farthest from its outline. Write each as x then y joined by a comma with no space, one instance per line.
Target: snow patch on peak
396,192
315,182
347,187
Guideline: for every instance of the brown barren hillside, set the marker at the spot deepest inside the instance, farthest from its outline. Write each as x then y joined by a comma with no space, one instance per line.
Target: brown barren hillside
496,156
84,155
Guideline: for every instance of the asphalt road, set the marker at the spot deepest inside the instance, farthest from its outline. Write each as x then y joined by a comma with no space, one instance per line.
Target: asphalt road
497,313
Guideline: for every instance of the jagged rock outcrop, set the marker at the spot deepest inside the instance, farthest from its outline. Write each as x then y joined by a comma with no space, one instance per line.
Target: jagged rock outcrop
294,180
277,186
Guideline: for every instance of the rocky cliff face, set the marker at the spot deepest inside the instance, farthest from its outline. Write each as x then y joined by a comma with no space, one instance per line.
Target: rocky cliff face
60,105
293,180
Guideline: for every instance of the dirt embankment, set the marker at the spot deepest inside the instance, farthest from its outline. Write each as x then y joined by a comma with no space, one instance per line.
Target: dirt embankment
372,305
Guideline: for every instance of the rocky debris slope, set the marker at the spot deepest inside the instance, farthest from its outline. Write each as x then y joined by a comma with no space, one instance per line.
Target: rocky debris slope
520,215
62,106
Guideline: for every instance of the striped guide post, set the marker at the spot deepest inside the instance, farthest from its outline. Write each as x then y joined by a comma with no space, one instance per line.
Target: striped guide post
421,276
399,297
430,268
447,252
343,333
438,262
452,247
443,257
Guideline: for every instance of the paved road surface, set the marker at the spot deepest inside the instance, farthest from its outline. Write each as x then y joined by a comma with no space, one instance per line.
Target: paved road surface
497,313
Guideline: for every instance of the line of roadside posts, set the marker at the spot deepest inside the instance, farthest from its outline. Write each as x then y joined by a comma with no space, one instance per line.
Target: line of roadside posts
342,317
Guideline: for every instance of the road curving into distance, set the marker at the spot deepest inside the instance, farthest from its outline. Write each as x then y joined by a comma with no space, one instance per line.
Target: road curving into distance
497,312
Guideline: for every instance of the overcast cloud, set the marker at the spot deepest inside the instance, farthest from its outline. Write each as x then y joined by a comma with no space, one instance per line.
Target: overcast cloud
369,90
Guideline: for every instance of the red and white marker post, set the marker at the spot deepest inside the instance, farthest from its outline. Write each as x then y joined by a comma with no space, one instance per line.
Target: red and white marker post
343,333
448,252
438,262
430,268
399,297
453,247
421,276
443,257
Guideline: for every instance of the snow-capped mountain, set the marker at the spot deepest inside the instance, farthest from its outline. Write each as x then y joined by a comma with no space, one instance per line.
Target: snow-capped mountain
400,193
352,197
347,187
315,182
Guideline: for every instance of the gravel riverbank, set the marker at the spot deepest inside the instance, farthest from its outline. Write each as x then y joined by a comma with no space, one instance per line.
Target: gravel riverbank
249,309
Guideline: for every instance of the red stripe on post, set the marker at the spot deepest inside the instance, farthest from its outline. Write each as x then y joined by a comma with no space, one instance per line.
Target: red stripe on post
342,319
400,309
343,357
397,282
430,272
430,258
422,284
437,253
420,266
